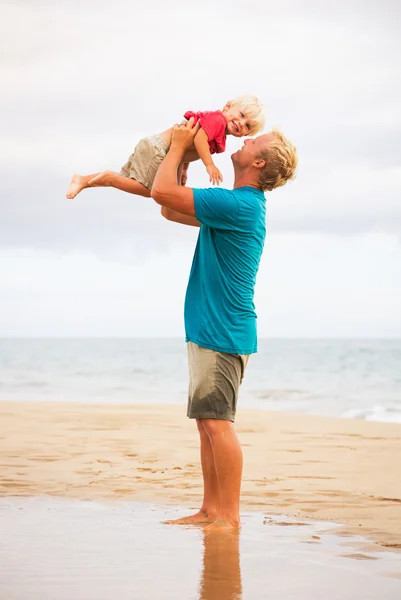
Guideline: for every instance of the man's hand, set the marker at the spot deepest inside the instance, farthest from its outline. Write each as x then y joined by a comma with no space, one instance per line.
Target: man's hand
214,174
183,135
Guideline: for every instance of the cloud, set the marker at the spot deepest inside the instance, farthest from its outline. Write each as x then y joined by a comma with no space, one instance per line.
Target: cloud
83,81
324,198
308,285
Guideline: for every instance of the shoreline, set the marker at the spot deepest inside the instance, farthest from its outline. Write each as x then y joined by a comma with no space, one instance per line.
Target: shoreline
310,467
64,548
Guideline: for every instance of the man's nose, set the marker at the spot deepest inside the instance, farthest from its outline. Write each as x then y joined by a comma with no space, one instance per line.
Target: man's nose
247,141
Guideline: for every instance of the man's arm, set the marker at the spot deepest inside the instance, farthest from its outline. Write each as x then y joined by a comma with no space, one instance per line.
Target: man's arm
176,217
165,189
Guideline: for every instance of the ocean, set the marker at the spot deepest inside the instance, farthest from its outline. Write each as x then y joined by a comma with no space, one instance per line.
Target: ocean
342,378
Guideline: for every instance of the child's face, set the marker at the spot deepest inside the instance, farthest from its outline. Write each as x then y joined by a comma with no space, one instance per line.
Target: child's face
237,122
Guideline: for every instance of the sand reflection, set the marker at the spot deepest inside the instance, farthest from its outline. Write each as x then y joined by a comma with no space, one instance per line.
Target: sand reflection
221,575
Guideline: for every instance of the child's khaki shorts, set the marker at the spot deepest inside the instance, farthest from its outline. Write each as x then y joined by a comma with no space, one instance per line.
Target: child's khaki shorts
214,380
143,163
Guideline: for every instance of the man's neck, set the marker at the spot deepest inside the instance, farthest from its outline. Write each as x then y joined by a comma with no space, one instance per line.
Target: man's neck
245,181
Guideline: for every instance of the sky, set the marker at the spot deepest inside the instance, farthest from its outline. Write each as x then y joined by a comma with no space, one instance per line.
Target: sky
82,82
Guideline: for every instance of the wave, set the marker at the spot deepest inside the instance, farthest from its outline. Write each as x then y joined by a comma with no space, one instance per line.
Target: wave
386,414
278,394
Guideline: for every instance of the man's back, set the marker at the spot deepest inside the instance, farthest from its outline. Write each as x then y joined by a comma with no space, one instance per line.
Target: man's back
219,307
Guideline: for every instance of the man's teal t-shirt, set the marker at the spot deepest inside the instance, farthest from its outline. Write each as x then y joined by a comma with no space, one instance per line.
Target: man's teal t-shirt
219,307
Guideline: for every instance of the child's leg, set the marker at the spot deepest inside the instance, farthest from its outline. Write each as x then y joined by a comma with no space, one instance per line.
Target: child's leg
126,184
179,173
79,183
182,173
104,179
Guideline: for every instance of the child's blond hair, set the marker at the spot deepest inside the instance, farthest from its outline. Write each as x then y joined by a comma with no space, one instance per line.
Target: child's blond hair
254,111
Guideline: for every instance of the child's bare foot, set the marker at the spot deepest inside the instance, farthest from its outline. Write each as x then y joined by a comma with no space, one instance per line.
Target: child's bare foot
77,184
197,519
104,179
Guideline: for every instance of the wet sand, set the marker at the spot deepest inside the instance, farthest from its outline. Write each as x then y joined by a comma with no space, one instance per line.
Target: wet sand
58,548
345,471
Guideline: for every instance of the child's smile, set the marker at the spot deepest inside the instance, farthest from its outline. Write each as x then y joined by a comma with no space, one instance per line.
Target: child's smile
237,123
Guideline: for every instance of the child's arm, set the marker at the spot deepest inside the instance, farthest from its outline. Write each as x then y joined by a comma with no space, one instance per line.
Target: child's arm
201,143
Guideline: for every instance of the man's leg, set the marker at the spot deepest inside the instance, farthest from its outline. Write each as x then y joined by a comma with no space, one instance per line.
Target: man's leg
211,491
227,455
211,486
215,378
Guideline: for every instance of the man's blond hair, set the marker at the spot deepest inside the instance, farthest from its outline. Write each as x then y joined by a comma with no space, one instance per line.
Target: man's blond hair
281,162
253,110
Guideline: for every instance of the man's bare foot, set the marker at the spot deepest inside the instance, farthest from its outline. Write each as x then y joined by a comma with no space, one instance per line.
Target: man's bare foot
77,184
198,518
104,179
223,525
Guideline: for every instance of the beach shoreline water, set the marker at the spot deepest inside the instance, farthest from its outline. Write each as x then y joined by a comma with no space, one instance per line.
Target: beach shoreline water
328,377
68,548
307,467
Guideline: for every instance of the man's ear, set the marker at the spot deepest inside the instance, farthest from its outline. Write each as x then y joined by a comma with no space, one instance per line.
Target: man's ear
259,163
227,106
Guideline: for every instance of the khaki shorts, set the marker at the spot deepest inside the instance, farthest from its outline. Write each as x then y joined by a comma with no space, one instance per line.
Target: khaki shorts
214,380
143,163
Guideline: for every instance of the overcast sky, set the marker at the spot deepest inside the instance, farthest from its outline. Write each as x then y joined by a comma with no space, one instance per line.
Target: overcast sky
82,82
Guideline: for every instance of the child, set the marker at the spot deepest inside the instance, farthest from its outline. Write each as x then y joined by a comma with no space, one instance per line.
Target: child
242,116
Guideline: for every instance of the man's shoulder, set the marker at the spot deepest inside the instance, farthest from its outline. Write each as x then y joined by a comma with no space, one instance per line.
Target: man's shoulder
213,191
248,189
251,194
239,192
216,195
252,202
215,205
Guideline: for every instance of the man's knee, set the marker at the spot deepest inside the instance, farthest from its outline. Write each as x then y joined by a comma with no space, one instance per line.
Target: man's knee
215,426
199,423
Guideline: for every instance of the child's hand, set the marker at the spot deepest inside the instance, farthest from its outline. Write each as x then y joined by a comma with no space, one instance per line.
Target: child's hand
214,175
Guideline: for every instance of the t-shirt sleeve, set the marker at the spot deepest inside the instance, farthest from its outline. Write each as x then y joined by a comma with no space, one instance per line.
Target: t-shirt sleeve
214,124
216,208
190,114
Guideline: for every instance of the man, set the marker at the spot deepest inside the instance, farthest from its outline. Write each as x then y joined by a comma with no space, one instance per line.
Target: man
220,320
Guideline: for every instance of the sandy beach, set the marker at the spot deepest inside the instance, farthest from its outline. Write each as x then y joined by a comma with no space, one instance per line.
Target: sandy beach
345,471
